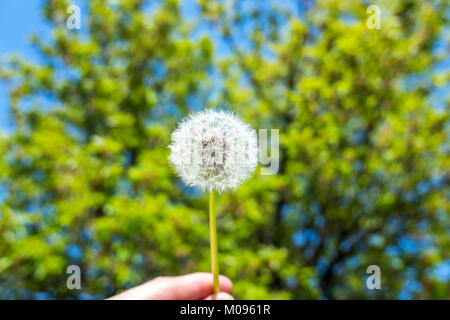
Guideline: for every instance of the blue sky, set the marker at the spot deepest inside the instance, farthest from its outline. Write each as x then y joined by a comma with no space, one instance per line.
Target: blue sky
19,19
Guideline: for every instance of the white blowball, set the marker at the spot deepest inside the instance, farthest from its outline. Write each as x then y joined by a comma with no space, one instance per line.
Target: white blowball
214,150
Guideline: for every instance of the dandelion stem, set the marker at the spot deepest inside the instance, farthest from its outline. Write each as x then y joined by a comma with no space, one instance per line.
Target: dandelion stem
213,242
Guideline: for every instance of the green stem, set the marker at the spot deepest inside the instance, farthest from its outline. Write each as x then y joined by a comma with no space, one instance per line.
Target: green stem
213,242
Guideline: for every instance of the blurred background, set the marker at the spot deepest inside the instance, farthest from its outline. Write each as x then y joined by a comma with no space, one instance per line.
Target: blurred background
363,113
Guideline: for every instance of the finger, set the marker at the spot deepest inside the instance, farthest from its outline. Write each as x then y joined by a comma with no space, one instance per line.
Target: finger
192,286
220,296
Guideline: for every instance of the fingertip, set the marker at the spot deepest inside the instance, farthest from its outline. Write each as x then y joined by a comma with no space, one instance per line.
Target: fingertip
220,296
225,284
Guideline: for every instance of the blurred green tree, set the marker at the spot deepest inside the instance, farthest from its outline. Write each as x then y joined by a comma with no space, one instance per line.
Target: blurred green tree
363,176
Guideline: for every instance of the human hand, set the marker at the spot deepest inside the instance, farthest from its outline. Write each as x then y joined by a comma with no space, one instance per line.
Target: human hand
194,286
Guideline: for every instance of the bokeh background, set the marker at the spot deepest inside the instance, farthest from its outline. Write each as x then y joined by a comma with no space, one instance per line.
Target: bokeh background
86,117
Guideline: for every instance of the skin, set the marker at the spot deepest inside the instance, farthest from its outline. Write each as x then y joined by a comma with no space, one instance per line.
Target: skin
194,286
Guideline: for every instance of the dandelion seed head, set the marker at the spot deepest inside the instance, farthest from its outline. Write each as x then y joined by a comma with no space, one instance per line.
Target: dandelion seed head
214,150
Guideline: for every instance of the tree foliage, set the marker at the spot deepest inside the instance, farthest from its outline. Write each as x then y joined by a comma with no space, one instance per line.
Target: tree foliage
363,175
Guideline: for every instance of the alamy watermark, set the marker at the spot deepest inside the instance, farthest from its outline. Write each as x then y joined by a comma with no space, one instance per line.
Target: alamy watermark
374,20
234,151
74,20
373,281
74,280
274,157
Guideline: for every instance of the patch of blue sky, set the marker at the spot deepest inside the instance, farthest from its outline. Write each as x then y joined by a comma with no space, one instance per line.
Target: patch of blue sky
442,271
409,289
75,253
303,237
